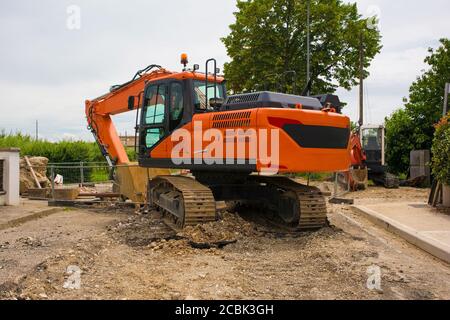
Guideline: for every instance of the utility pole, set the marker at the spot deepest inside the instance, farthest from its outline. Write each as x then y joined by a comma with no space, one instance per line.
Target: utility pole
361,81
308,44
37,130
447,91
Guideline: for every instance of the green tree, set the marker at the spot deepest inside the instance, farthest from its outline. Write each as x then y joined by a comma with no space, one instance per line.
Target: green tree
412,127
269,38
441,151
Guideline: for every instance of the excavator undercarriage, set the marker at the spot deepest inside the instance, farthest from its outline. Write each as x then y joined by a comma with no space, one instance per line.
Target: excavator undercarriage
191,200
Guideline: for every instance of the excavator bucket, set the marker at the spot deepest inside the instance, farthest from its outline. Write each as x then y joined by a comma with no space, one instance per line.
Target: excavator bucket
358,179
131,180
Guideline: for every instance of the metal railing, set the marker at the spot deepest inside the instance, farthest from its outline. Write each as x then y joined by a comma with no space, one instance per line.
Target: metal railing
80,172
335,184
72,174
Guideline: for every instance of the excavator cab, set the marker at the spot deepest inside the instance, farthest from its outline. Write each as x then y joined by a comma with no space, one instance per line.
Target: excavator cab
373,143
170,103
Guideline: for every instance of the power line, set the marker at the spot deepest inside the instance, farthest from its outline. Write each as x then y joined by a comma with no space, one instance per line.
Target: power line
368,110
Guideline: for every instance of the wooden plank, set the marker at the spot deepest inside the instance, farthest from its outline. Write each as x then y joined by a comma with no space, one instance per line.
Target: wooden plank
432,192
32,172
437,194
341,201
99,195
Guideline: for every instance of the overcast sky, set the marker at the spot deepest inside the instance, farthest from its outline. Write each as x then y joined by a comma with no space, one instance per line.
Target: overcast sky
48,70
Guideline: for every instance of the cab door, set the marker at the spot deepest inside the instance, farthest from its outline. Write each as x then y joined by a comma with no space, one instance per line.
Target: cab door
177,114
154,120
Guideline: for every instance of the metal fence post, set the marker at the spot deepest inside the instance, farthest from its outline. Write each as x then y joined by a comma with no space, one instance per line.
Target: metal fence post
52,175
81,174
335,184
348,182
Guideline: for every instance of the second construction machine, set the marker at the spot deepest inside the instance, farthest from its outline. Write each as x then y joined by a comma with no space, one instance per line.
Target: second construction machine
228,143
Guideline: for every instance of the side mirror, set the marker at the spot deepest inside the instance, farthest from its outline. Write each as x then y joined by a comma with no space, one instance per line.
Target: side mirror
131,103
216,103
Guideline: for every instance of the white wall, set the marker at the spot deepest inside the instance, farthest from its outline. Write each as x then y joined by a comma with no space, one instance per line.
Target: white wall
11,176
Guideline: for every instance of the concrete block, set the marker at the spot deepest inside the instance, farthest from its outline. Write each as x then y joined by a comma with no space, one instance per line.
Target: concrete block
10,176
66,193
419,158
35,193
420,165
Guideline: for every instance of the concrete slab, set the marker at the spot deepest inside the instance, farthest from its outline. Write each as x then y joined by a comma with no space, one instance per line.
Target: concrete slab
417,223
11,216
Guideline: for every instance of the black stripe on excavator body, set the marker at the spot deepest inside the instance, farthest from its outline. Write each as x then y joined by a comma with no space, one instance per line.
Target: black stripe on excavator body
318,137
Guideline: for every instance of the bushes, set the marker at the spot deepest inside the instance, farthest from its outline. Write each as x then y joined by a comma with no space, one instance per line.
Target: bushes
64,151
411,128
58,152
441,151
402,136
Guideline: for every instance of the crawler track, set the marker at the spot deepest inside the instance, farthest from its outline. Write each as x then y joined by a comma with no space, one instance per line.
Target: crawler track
306,207
186,200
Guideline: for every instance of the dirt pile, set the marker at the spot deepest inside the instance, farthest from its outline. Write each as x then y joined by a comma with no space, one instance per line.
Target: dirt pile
143,230
39,165
228,229
140,230
30,241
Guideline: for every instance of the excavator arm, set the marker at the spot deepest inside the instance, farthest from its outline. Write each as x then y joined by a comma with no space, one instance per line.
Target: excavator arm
99,112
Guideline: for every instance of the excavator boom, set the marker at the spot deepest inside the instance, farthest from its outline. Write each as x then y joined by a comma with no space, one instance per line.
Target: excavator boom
99,112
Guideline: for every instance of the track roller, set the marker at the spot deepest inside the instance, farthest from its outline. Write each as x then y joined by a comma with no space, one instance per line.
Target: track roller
187,201
299,207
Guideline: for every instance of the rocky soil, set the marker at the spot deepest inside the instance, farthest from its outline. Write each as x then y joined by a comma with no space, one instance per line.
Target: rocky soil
124,255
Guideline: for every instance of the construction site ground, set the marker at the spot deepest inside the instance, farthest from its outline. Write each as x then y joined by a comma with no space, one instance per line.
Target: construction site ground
125,255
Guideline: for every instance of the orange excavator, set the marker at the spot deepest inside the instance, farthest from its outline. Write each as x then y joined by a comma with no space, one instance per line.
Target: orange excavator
230,144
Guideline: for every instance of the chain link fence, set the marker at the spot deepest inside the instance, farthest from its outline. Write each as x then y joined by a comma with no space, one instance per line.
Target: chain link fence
335,184
81,173
91,177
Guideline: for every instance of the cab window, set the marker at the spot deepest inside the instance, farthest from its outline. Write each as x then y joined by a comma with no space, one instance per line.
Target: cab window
200,94
371,139
155,105
176,104
152,136
154,114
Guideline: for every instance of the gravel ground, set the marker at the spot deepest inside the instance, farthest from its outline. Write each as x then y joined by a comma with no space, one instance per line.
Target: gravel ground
121,255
